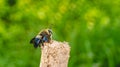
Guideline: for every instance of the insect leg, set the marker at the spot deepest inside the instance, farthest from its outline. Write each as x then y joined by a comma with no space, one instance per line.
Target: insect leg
42,43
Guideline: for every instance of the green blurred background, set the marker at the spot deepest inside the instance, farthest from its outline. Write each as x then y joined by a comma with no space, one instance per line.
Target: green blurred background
90,26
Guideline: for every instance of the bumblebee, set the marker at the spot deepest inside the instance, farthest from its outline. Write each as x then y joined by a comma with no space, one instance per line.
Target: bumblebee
41,38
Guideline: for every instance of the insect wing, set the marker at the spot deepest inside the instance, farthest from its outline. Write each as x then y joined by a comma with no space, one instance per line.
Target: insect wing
32,40
37,41
45,39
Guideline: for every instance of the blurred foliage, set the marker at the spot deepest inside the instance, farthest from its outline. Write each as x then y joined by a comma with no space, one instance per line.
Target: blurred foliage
90,26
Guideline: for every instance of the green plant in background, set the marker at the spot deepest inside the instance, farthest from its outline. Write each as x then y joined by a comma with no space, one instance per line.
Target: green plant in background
90,27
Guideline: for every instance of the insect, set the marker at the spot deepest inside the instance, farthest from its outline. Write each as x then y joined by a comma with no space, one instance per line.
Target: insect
42,37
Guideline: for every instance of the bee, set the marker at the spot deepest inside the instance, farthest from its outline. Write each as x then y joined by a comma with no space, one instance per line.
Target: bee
42,37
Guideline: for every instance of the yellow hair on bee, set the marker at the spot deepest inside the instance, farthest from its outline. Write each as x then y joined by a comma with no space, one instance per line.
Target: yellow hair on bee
47,32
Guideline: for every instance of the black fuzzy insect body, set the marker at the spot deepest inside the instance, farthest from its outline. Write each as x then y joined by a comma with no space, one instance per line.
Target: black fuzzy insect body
41,38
